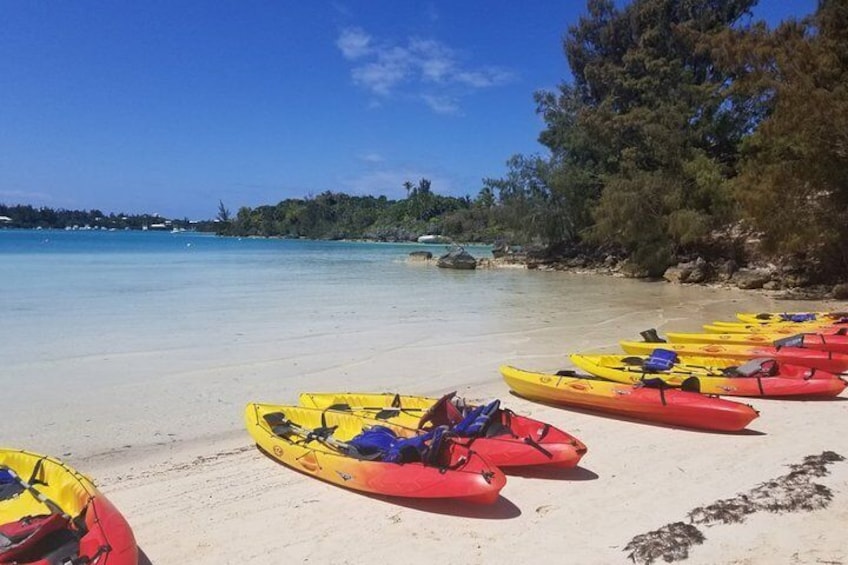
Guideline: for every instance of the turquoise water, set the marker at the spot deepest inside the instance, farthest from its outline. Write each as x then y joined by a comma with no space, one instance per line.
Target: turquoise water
124,338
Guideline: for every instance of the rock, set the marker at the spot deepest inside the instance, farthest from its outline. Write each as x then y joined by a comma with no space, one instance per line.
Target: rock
633,271
420,256
772,285
673,274
726,270
840,291
457,258
750,279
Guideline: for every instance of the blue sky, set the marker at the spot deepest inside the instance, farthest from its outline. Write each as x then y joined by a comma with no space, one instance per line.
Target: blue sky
167,106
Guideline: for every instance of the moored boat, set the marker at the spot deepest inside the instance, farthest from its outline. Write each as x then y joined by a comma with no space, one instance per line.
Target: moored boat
504,438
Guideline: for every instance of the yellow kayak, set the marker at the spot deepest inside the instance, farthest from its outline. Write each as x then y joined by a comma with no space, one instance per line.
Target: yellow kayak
827,361
762,378
50,513
824,318
725,338
781,329
372,456
504,438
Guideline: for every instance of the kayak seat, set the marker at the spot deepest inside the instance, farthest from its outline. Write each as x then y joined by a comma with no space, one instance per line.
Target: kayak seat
759,367
10,487
24,537
476,422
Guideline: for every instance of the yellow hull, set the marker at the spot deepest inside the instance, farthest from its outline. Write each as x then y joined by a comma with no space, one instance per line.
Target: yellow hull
471,479
703,377
518,441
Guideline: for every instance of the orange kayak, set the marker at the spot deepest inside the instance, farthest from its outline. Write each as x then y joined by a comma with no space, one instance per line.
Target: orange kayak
665,406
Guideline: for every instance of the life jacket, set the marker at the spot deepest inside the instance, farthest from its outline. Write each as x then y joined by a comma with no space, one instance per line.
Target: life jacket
382,444
477,420
660,360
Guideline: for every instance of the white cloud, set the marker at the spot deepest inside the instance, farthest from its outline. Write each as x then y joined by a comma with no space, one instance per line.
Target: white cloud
372,158
385,69
441,104
354,43
389,183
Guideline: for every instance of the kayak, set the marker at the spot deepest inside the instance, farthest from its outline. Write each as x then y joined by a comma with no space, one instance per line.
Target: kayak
820,360
792,317
51,514
503,437
373,456
643,402
761,378
838,343
776,329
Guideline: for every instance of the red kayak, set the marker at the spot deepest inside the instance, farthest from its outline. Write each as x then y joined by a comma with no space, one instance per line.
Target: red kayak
827,361
52,515
643,402
502,437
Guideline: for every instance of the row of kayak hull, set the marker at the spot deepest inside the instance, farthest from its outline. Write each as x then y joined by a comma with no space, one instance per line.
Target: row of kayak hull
709,380
671,406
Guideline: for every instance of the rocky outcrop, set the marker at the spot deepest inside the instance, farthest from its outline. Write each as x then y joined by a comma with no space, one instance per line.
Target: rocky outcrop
694,272
457,258
840,291
751,279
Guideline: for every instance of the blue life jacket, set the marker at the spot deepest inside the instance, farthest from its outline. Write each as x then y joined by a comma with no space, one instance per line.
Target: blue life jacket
805,317
477,420
660,360
381,443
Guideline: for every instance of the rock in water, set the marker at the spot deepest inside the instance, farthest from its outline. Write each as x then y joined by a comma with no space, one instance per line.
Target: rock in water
420,256
457,258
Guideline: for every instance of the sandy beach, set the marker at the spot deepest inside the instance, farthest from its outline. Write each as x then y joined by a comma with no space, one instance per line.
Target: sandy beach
175,458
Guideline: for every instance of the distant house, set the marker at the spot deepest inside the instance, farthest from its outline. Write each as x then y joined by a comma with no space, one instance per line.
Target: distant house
5,219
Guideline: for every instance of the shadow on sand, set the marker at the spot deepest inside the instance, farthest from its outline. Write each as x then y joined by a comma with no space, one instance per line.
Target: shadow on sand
143,559
551,473
502,509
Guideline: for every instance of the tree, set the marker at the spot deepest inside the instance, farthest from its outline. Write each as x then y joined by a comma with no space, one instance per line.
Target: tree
641,136
223,212
793,184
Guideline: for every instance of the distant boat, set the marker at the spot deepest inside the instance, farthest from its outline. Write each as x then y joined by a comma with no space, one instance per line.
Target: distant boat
433,239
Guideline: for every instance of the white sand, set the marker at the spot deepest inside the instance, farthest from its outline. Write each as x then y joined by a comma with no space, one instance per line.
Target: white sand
195,490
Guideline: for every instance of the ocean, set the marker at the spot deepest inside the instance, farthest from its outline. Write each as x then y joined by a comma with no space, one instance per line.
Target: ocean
122,338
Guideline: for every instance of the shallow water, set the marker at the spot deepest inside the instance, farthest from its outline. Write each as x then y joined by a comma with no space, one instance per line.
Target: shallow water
137,338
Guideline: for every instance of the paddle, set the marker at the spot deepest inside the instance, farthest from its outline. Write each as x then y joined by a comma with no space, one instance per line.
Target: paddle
282,426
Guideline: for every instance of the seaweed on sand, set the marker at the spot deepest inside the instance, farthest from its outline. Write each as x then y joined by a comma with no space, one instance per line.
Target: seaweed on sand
671,543
792,492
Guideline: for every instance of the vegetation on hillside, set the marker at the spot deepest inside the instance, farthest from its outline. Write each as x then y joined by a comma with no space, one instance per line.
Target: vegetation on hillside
684,122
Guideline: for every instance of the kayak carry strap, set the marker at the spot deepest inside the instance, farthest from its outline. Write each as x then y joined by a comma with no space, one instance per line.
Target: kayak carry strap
658,384
535,444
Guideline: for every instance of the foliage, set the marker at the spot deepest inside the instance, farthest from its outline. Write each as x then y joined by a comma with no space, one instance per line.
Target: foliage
26,216
793,183
642,138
